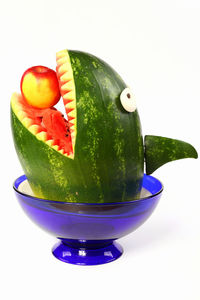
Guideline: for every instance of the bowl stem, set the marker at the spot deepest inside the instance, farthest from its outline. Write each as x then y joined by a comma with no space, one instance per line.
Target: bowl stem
82,252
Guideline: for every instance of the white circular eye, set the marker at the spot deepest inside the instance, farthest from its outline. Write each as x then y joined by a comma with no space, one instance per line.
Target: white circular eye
128,100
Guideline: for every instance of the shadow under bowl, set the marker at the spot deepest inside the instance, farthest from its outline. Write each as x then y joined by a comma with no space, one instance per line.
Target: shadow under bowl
87,231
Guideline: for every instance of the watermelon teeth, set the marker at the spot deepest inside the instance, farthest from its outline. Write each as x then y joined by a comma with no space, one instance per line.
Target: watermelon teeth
68,93
66,76
68,110
42,136
62,69
50,142
27,122
67,87
62,60
22,115
36,124
34,129
70,96
56,147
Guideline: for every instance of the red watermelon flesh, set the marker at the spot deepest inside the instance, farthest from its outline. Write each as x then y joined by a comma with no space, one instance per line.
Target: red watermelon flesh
53,123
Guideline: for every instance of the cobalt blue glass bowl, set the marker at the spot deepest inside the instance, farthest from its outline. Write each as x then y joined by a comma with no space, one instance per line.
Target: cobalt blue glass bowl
87,231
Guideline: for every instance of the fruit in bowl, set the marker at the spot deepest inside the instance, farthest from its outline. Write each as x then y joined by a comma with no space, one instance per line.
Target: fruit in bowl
97,153
86,170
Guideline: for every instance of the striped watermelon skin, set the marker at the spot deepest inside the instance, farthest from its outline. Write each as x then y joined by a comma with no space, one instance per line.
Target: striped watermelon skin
109,158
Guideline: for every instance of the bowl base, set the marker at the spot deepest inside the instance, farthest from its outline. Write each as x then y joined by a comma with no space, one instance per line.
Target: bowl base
87,256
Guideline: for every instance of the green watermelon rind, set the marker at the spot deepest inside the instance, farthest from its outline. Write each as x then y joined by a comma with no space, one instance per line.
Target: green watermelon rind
109,157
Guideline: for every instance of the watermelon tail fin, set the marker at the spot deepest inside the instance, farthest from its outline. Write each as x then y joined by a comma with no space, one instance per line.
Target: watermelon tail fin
160,150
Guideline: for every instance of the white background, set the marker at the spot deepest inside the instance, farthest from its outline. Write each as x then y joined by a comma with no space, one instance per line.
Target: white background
155,46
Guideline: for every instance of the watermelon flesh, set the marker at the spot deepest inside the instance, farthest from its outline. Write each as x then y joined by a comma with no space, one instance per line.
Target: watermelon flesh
52,122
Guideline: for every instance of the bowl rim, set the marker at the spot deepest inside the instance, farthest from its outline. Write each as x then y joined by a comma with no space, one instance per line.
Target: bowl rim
88,203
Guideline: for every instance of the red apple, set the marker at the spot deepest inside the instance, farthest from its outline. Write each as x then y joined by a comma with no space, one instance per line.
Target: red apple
40,87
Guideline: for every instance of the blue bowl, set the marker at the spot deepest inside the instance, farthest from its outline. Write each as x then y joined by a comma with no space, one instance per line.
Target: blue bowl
87,231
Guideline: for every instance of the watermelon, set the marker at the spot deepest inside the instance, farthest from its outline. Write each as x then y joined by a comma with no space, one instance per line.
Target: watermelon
96,154
102,159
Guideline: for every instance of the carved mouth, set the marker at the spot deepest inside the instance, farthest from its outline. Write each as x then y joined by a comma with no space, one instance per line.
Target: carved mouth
49,125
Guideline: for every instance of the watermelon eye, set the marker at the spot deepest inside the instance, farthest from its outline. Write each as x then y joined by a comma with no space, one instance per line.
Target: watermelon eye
128,100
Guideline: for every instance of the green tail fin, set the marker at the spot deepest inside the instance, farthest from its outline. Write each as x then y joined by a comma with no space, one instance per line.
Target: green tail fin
160,150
